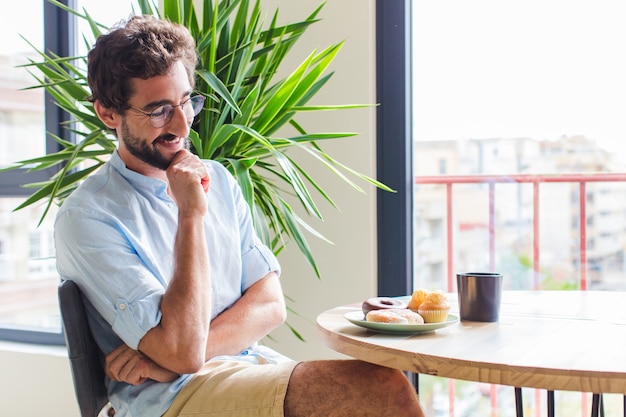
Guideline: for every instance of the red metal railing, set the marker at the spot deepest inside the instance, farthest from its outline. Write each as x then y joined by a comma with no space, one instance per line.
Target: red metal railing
581,179
536,180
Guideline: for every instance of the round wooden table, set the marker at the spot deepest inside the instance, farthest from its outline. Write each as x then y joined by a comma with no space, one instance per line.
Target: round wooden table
554,340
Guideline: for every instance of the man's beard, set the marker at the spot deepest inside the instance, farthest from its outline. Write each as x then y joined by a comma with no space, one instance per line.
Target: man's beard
147,152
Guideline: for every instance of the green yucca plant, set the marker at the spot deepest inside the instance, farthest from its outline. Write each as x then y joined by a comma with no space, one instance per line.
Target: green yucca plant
241,125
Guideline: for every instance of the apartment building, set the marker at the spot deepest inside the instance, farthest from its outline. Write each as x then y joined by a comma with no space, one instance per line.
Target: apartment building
559,212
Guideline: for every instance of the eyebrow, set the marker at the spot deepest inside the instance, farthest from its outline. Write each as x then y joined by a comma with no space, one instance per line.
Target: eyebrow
154,104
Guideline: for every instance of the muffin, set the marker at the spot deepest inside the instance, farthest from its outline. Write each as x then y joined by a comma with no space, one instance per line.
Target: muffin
417,299
435,307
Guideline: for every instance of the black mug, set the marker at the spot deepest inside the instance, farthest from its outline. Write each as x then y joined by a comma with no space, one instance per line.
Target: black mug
479,295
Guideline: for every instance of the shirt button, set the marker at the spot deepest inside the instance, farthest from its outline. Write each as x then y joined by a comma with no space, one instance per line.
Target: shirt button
122,306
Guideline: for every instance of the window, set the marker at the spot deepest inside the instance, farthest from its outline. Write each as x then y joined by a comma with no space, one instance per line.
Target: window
27,285
469,67
443,166
28,278
529,88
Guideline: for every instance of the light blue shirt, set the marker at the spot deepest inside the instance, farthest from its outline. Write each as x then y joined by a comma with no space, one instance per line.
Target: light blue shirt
114,237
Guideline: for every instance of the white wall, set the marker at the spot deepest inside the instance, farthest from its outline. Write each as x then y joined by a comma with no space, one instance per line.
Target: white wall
36,382
348,267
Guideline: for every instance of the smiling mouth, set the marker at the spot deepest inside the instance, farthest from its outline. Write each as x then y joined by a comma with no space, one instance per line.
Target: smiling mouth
172,143
169,139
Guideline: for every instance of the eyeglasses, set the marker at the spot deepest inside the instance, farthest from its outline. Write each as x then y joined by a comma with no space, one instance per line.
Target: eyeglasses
162,115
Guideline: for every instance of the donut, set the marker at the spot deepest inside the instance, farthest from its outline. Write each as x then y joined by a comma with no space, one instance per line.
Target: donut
394,315
381,303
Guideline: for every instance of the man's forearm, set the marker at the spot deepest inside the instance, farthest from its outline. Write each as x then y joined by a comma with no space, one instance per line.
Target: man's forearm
178,342
259,311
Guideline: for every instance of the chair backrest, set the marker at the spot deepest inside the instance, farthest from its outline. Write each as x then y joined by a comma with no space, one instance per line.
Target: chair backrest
84,354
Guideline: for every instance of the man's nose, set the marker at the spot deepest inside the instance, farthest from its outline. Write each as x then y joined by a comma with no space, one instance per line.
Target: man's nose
180,123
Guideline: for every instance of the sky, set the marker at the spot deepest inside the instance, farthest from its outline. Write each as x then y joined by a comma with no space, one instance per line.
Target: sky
532,68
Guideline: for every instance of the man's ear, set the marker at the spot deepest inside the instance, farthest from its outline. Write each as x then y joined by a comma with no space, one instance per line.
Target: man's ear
108,116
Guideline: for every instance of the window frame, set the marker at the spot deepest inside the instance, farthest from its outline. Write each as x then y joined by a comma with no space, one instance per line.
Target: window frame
394,162
59,35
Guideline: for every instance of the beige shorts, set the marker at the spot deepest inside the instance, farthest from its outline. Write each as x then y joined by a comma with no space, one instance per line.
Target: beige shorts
234,389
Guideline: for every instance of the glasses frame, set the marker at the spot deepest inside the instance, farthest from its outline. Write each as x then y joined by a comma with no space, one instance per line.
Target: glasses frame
196,101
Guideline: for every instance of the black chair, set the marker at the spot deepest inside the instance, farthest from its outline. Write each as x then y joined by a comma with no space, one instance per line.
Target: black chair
84,355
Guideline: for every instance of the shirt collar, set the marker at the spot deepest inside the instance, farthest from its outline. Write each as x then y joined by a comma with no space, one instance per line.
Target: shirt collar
138,180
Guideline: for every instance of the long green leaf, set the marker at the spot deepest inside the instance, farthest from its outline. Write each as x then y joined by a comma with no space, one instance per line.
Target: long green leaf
241,170
217,86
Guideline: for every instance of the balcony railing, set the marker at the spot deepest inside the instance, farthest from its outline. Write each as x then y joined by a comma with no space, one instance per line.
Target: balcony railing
578,180
536,180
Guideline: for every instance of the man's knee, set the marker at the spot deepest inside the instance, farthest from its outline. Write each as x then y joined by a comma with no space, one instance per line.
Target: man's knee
349,387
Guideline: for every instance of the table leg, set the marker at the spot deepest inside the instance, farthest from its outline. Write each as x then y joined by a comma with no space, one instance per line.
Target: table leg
519,406
550,403
597,408
601,406
414,380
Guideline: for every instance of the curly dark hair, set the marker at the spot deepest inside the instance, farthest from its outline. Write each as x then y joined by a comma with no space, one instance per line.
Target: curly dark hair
142,47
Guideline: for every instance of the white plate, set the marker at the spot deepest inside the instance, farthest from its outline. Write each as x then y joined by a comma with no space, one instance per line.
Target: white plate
356,317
